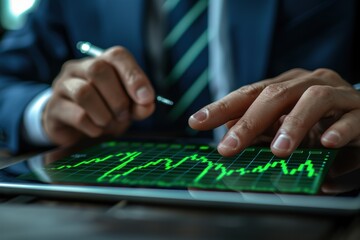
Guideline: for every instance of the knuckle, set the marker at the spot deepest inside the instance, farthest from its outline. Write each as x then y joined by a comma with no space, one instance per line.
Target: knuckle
83,93
275,91
319,92
66,69
324,72
294,72
118,52
297,71
222,107
80,118
97,67
251,91
294,122
320,71
70,64
134,77
245,126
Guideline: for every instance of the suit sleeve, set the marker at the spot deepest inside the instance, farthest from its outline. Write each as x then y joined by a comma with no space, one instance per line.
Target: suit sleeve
30,58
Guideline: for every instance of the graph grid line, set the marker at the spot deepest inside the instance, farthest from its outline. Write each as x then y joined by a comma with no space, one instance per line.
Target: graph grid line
165,165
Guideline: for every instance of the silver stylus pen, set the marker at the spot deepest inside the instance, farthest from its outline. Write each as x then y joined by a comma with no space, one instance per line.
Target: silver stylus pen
94,51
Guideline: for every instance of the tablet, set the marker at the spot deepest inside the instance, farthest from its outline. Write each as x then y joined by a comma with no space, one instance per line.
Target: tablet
186,173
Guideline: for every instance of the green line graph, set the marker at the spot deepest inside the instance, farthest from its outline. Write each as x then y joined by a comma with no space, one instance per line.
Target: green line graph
193,166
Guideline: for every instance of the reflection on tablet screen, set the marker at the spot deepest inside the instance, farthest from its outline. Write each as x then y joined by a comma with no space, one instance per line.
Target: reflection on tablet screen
167,165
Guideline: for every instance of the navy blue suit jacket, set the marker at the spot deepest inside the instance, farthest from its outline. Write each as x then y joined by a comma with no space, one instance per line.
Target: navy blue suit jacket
268,37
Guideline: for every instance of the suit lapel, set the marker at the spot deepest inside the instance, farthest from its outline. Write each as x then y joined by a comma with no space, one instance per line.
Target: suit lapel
251,27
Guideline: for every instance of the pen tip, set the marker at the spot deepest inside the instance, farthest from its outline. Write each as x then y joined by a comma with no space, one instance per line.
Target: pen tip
164,100
83,46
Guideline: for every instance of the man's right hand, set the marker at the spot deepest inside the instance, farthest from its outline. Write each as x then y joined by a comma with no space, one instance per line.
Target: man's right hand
97,96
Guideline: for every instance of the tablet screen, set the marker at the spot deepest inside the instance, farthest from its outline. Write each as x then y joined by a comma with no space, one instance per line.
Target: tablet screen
179,165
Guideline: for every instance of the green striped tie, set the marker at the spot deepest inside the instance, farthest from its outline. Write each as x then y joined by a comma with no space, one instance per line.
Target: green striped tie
187,46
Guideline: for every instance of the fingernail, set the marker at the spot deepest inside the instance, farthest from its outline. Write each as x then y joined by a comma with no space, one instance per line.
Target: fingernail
282,142
200,116
143,94
331,137
230,142
123,115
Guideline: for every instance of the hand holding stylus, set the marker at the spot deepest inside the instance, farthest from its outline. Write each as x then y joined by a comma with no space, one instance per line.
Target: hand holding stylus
97,96
94,51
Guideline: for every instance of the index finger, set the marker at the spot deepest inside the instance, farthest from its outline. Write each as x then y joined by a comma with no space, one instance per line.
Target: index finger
235,104
231,107
132,77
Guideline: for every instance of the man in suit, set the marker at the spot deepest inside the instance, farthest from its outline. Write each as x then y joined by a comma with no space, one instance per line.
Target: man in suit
49,93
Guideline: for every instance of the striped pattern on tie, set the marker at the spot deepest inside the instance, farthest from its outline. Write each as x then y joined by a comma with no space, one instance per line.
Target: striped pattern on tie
187,47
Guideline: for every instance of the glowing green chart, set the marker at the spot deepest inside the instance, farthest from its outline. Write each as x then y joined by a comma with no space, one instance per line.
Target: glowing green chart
167,165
